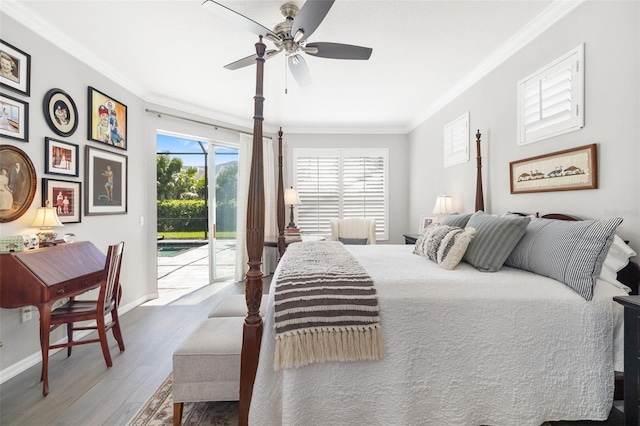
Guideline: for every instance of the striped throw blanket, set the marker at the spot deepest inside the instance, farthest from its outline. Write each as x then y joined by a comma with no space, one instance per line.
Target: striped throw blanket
326,307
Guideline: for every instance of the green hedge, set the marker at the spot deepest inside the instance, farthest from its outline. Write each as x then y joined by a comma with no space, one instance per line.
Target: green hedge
182,215
191,215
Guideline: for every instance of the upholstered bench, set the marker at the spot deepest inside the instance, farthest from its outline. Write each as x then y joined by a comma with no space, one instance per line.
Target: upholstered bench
206,367
236,306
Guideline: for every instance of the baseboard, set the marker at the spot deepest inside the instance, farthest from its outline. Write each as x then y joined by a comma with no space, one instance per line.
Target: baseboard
36,358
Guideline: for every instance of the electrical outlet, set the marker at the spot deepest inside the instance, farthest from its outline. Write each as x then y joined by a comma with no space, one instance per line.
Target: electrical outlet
27,314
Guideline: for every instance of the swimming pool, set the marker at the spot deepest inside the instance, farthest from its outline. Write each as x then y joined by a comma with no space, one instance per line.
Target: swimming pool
175,248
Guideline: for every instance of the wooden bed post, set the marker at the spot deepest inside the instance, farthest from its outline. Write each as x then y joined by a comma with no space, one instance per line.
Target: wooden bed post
252,330
479,193
280,200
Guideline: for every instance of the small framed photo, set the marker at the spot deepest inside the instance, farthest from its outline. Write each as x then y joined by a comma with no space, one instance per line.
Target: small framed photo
106,182
15,68
14,118
18,183
426,221
60,112
61,158
65,196
107,120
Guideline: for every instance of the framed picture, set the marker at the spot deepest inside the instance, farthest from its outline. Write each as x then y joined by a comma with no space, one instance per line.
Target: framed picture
18,183
426,221
106,182
15,68
107,120
65,196
60,112
571,169
14,118
61,158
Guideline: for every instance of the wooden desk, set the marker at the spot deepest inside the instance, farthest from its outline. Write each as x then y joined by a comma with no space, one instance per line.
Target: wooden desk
42,276
631,356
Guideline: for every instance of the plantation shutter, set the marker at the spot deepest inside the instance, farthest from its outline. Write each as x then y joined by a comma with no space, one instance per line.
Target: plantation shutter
550,102
340,183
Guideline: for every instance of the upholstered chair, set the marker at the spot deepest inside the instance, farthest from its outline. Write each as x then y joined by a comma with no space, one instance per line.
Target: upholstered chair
353,230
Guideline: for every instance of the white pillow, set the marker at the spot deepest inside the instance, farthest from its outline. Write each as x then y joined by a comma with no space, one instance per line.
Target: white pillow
617,258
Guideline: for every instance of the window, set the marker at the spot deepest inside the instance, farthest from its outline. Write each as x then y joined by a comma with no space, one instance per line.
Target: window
456,141
341,183
551,101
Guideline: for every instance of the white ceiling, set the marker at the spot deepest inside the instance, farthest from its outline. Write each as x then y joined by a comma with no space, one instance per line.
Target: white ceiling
172,53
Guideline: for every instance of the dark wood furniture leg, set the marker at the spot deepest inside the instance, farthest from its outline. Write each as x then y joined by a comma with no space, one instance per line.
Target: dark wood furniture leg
45,326
631,356
177,413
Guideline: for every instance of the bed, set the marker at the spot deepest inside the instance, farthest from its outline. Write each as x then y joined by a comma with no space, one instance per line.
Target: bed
462,347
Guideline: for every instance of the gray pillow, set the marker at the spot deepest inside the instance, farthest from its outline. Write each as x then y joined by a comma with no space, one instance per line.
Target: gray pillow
494,240
353,241
459,220
567,251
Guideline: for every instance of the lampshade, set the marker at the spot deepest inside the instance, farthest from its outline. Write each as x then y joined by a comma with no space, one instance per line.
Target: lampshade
46,218
291,197
443,205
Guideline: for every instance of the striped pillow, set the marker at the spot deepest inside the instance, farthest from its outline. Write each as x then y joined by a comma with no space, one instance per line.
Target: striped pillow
457,220
570,252
444,244
495,238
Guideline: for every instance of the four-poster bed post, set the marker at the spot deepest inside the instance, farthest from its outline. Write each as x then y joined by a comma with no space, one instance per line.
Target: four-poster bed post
479,193
280,200
252,330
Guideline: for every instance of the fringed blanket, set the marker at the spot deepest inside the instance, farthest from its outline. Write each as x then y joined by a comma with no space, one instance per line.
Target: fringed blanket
326,307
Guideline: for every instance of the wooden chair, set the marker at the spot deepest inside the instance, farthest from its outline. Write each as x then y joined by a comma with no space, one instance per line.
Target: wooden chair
93,310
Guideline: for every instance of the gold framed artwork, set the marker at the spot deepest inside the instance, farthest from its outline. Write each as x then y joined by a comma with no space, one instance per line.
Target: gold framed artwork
571,169
18,183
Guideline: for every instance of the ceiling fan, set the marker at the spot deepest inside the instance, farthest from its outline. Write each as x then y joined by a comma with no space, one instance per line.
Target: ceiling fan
290,37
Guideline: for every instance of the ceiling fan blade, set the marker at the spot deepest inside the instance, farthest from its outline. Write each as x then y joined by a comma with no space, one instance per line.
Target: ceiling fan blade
299,70
241,20
311,15
338,51
250,60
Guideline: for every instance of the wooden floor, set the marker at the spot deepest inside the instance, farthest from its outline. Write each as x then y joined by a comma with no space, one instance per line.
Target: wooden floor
84,392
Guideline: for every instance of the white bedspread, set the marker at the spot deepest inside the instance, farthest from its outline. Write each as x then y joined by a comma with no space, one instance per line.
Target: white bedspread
462,347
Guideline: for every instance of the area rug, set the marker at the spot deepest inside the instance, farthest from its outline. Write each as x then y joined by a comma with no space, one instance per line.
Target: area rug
158,411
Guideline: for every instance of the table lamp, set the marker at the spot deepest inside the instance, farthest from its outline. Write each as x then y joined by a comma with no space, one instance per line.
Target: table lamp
291,197
46,219
443,206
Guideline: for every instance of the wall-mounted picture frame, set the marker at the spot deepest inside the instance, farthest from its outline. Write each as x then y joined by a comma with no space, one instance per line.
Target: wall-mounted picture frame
65,196
105,182
15,69
426,221
107,119
571,169
61,158
18,183
14,118
60,112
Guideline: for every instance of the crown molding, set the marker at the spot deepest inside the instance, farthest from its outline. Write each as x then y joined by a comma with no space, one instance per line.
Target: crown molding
549,16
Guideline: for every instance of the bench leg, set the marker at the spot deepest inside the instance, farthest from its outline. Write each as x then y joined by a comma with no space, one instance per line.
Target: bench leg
177,413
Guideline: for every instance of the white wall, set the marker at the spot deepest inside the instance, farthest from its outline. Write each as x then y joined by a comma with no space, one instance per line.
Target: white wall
53,68
398,171
611,33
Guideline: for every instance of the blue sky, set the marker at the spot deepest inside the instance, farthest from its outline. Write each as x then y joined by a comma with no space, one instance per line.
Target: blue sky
190,147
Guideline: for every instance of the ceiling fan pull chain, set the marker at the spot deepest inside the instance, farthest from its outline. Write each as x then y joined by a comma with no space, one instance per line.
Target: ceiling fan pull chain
286,66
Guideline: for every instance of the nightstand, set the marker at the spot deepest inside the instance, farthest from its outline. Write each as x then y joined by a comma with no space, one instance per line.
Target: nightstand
410,238
631,356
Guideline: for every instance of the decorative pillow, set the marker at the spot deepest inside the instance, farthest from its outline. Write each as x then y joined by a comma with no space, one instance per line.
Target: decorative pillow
457,220
617,258
567,251
443,244
453,246
353,241
494,240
